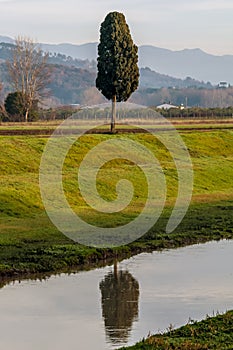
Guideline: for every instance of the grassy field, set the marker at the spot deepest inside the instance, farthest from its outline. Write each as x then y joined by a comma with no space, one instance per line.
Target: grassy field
30,243
211,333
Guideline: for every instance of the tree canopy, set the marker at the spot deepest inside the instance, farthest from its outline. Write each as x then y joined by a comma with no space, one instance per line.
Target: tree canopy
117,59
14,105
118,72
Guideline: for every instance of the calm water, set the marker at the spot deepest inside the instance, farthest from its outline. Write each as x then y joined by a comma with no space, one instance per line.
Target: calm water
105,309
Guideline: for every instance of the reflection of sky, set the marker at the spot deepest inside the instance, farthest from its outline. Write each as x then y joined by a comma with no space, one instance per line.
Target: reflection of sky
178,284
64,312
165,23
61,312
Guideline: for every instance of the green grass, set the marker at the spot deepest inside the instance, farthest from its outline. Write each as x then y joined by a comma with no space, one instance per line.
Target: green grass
211,333
19,168
30,243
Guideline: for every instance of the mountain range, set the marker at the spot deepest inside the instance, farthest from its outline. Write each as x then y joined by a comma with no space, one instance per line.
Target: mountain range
74,72
193,63
73,79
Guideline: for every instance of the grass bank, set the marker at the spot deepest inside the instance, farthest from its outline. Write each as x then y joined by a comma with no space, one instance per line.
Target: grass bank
32,245
29,243
211,333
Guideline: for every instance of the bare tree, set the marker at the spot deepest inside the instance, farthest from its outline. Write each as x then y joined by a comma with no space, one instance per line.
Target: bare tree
2,109
29,72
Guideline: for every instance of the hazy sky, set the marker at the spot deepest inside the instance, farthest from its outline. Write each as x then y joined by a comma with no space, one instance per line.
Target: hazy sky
172,24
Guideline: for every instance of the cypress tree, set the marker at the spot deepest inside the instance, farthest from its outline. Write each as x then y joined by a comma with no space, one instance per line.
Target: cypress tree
118,72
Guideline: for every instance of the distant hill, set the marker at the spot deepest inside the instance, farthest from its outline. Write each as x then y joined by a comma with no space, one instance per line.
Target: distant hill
148,78
68,84
152,79
189,62
193,63
73,81
54,58
83,52
6,39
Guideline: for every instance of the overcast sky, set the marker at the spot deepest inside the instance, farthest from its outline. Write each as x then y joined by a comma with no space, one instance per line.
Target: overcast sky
172,24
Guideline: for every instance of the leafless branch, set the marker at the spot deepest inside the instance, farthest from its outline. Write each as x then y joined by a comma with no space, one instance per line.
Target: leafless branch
29,71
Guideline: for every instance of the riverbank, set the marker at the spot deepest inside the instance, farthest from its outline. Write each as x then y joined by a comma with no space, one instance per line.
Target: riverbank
29,243
211,333
45,250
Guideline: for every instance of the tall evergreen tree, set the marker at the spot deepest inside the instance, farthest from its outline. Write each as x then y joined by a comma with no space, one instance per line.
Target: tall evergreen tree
118,72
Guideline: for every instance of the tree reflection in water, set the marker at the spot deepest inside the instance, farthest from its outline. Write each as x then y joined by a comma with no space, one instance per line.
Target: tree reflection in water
120,294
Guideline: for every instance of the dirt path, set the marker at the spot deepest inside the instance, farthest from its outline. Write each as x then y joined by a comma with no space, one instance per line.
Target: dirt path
181,127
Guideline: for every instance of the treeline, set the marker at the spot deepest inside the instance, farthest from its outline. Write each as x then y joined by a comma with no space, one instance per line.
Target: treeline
64,112
58,58
197,113
190,97
58,113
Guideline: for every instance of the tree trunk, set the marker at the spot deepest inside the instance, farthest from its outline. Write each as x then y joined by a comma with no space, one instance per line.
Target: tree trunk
115,269
113,120
26,115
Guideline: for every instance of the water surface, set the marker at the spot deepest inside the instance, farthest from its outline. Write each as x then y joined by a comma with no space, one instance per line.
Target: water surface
107,308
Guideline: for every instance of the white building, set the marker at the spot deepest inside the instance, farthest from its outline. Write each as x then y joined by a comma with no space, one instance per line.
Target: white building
223,84
166,106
